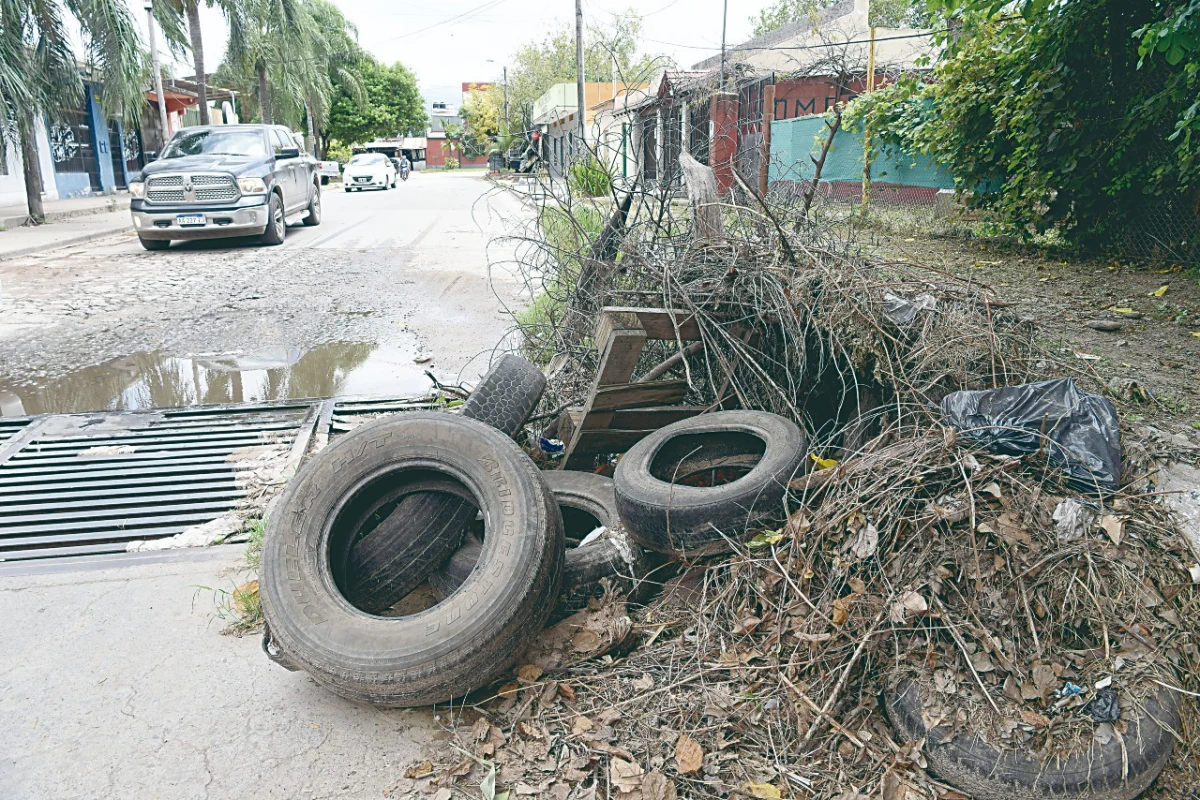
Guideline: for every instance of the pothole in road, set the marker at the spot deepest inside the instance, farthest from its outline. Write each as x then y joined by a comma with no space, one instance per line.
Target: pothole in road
158,380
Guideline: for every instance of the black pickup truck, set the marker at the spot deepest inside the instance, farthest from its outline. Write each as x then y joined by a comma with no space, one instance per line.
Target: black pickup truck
225,180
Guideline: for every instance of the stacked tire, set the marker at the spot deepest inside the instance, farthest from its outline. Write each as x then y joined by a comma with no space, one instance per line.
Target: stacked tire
452,502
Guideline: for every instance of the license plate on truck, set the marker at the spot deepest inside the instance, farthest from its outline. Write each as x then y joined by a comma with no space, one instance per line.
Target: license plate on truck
190,220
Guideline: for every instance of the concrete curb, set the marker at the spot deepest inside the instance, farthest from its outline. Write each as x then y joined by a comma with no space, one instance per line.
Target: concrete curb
82,238
9,223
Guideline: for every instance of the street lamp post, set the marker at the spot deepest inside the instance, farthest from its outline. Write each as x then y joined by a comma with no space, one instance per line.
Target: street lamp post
158,87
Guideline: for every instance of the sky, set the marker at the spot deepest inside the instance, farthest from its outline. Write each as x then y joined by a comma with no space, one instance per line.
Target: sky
450,42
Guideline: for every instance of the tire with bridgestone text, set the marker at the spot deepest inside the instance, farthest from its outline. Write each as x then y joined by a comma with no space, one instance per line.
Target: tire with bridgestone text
613,557
688,520
424,530
445,651
1119,770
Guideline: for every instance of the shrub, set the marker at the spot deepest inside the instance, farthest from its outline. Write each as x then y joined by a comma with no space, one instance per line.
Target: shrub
589,177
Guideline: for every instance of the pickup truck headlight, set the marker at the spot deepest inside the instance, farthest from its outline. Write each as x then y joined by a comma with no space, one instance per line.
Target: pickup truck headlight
252,186
137,189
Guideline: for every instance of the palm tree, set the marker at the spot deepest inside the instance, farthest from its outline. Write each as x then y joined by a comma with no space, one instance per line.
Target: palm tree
171,15
269,32
294,51
40,74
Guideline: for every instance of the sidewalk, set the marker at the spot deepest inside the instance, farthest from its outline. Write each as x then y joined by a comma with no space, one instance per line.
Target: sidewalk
72,221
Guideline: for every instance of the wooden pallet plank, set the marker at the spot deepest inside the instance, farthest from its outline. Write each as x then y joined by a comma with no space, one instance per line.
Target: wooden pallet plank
658,323
631,395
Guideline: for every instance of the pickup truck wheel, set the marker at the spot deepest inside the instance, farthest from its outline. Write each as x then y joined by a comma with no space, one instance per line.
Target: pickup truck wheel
155,244
276,224
313,218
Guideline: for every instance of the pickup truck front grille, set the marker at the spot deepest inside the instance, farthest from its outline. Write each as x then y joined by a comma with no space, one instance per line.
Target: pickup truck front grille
204,188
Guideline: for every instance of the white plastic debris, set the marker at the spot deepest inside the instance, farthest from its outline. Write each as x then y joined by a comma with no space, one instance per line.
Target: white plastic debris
203,535
593,536
899,311
1072,519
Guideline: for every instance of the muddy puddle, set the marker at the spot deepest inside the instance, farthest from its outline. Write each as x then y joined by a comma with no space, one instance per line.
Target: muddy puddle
156,380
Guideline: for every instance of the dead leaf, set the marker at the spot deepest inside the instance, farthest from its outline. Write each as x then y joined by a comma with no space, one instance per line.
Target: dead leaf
656,786
798,523
530,731
746,625
443,794
585,641
509,690
982,662
1044,680
763,790
1114,526
244,596
581,724
488,786
992,489
1033,718
608,716
420,770
1012,691
910,604
868,539
1160,291
689,755
566,691
529,673
625,775
644,683
1012,531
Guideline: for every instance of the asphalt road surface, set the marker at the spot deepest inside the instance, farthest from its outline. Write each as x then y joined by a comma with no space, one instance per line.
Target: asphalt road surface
341,308
118,681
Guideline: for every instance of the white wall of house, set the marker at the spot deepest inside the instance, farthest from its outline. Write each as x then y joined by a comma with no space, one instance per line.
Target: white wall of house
12,177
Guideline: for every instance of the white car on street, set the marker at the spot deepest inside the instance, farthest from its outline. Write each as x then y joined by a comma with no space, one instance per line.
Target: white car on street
369,171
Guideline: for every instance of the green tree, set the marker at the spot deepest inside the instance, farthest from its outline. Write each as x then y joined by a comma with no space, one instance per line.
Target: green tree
40,74
1049,115
539,65
883,14
392,105
483,112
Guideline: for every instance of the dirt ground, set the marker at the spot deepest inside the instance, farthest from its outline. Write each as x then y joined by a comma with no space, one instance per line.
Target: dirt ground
1156,349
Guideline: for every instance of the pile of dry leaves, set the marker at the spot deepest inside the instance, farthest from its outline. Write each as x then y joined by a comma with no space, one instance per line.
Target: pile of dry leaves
760,673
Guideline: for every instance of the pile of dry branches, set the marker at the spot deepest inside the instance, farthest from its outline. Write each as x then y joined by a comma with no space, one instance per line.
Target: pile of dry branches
760,673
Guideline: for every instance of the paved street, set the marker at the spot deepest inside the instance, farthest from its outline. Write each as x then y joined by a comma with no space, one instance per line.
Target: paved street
118,680
340,308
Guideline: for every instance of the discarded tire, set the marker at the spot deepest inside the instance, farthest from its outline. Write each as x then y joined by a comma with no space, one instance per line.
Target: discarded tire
1119,770
425,529
447,650
668,516
585,501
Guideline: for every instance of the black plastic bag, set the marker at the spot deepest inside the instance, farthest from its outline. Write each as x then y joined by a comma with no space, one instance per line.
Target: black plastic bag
1103,707
1077,431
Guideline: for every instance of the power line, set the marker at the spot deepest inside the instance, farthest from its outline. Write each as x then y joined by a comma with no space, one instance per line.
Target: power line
466,14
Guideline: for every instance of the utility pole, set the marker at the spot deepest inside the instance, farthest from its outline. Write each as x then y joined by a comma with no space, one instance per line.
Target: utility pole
158,89
579,71
724,25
